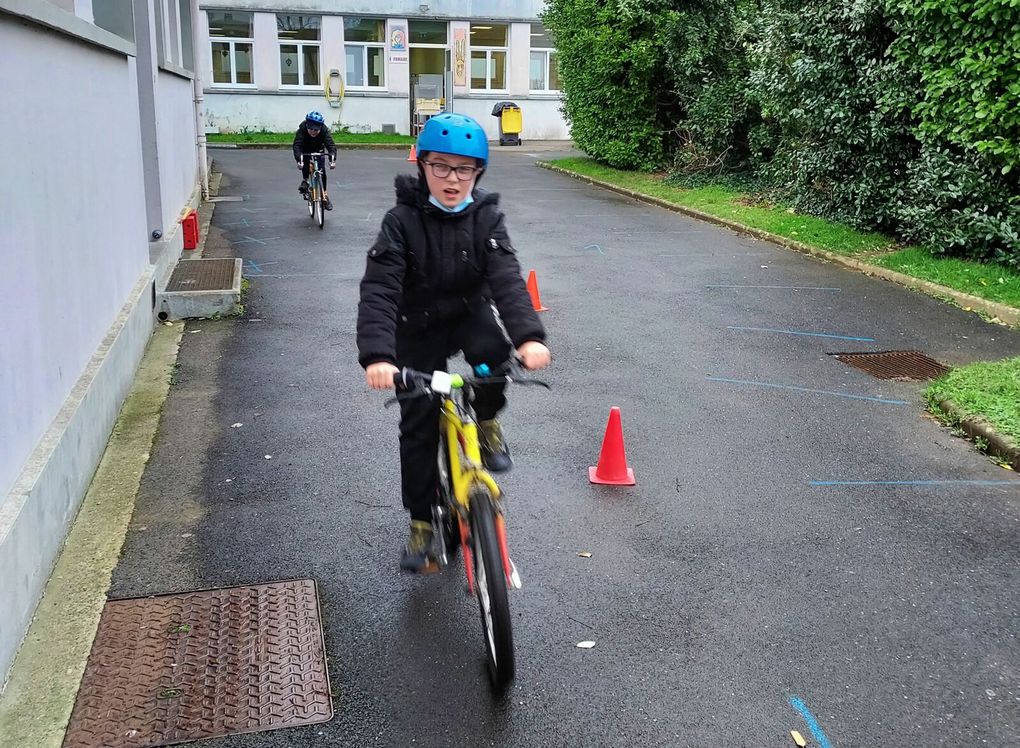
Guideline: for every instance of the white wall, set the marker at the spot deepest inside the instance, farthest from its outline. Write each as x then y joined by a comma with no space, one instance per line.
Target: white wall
542,117
232,112
69,260
175,141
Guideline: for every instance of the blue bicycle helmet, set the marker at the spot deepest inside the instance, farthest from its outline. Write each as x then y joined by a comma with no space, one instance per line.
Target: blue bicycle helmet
456,134
314,118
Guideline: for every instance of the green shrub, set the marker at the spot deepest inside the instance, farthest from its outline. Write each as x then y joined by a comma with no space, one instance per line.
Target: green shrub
614,79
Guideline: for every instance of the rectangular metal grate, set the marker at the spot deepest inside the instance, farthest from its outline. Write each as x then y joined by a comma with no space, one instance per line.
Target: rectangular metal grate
177,668
910,365
202,275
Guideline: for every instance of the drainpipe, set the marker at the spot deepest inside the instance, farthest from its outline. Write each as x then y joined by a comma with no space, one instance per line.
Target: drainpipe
203,163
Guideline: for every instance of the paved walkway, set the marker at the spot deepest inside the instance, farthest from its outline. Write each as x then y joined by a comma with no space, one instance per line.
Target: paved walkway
803,542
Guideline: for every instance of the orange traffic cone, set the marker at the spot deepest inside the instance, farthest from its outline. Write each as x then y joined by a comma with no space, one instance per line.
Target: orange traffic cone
612,469
413,155
536,300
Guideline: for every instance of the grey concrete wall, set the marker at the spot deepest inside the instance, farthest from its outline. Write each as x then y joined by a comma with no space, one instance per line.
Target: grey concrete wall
175,139
76,294
75,269
69,260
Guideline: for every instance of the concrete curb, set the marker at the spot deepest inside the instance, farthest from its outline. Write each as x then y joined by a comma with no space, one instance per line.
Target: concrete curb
998,445
340,146
1006,314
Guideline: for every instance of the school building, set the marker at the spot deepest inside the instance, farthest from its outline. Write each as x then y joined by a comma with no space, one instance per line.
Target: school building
377,65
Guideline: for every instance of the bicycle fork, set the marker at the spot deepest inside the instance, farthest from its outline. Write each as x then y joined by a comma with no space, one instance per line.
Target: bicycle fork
513,578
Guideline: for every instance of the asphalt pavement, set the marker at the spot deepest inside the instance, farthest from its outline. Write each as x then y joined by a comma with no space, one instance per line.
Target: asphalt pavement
804,549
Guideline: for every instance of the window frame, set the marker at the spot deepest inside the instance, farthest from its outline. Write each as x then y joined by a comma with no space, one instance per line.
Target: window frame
488,50
232,41
364,47
300,44
547,54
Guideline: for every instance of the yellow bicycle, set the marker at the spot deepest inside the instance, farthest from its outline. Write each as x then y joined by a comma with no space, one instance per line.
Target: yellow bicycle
469,512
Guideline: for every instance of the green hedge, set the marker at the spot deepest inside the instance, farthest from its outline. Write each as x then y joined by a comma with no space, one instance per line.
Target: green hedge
885,114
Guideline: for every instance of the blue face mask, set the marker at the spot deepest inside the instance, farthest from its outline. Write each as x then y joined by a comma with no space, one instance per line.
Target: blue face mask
457,209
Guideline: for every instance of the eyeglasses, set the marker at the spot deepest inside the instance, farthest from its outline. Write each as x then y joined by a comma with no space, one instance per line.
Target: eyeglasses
442,171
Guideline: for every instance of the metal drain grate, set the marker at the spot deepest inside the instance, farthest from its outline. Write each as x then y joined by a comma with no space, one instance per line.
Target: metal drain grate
177,668
912,365
202,275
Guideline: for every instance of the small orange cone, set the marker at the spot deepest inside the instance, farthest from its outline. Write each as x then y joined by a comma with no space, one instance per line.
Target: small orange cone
612,469
413,155
536,300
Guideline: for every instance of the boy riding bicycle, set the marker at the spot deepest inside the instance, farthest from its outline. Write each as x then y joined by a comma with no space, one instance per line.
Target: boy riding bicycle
440,270
313,136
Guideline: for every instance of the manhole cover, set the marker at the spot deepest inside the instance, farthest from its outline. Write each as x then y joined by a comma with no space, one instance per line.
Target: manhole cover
895,364
202,275
177,668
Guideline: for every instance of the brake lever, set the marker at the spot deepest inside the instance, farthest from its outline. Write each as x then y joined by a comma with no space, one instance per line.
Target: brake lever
408,395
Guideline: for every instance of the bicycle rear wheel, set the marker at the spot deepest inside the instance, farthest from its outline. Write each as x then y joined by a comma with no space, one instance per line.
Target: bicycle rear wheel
491,589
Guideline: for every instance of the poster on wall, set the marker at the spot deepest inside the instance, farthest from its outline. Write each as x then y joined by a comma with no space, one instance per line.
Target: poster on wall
398,41
460,57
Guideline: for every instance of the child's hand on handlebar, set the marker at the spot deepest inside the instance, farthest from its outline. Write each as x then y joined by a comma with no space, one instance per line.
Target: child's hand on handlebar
380,375
534,355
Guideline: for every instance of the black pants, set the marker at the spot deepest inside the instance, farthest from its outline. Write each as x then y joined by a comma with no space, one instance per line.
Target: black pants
479,335
306,169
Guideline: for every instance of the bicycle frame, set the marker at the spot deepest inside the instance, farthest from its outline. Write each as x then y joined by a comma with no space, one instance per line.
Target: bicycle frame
315,175
464,433
462,439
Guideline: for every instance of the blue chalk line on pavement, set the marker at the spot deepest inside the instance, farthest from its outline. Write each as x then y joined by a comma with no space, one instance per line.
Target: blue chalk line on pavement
1008,482
812,723
797,332
807,389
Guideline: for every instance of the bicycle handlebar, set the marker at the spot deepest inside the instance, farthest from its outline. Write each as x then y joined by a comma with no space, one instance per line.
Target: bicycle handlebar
412,383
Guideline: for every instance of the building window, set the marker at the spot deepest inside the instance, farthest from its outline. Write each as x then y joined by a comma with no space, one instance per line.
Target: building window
544,73
427,32
299,49
488,57
365,52
230,40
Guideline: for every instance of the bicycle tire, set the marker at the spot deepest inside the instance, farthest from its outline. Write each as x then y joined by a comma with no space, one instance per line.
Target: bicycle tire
320,213
491,589
310,199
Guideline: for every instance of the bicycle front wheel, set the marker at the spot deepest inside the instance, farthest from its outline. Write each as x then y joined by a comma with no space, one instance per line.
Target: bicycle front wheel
491,589
320,214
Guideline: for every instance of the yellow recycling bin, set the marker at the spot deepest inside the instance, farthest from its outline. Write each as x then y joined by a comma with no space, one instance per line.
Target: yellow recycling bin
511,122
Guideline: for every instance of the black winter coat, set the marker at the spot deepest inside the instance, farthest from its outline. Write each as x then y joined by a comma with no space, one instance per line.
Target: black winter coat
428,268
305,143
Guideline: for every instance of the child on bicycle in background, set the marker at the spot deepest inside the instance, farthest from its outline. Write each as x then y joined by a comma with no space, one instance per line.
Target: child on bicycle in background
313,136
441,268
